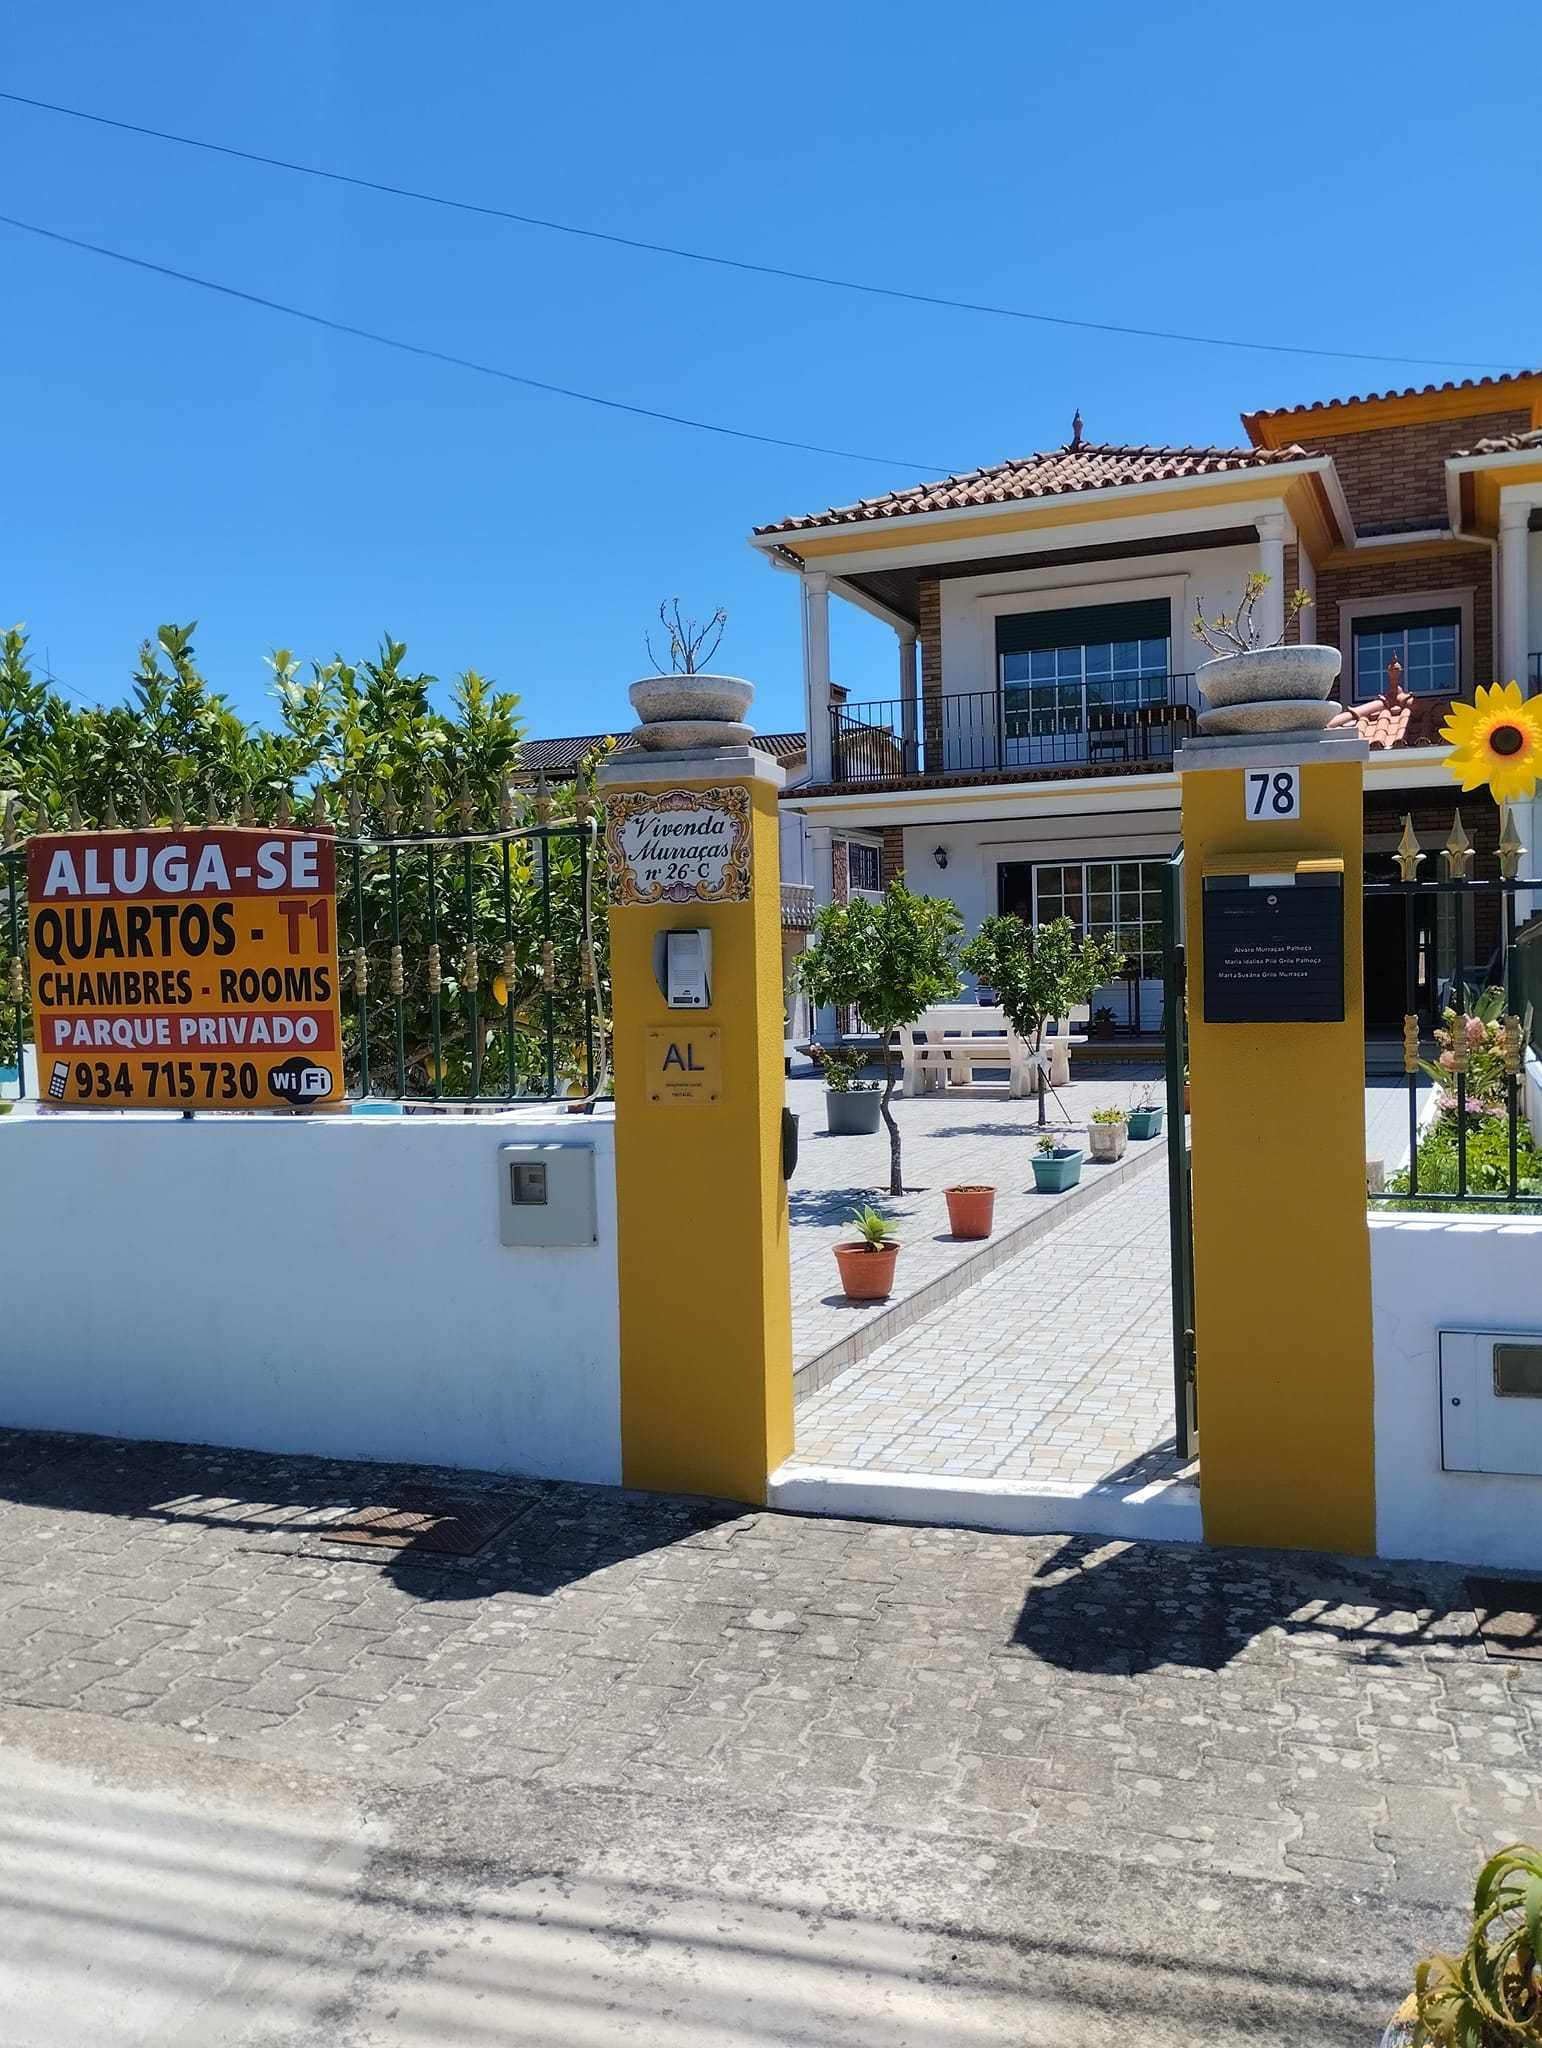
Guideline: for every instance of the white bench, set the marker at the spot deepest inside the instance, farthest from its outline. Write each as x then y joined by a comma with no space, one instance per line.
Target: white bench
948,1044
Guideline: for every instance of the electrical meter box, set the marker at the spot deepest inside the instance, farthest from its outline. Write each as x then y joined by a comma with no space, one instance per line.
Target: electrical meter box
546,1195
1491,1401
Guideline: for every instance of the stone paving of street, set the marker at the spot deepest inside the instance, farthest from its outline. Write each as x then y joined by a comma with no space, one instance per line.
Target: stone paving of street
1134,1793
1057,1366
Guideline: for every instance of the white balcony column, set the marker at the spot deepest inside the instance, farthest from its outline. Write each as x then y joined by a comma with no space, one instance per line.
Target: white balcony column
910,700
824,1025
1269,613
816,672
1514,597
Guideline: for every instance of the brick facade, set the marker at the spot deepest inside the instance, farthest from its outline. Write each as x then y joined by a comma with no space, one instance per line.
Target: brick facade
1292,582
929,640
1463,568
840,870
893,854
1394,477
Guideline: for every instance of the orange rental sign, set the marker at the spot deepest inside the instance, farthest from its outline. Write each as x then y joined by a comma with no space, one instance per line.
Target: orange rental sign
185,970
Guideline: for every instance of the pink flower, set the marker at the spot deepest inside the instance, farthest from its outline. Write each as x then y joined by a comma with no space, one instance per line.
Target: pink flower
1477,1031
1448,1061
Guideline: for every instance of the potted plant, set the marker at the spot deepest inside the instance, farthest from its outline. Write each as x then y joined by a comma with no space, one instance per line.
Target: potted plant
1107,1130
888,960
1102,1023
1490,1996
686,704
1039,972
1258,685
851,1104
1145,1112
867,1266
971,1210
1056,1167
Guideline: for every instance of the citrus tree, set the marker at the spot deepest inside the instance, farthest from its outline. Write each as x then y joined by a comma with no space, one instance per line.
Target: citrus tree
397,757
889,961
1039,972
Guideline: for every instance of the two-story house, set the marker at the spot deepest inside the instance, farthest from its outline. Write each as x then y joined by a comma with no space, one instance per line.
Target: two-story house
1045,664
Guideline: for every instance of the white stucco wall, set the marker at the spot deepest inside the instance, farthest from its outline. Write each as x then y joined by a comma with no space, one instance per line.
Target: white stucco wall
1430,1273
1139,823
327,1285
971,605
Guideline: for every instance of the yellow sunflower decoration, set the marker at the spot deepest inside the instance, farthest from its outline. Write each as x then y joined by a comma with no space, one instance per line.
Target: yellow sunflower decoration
1496,742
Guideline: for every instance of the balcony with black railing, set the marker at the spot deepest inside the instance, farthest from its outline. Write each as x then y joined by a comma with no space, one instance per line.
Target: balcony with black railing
1018,729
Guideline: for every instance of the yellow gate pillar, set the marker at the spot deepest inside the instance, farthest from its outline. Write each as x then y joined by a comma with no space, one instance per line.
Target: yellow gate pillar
694,869
1273,861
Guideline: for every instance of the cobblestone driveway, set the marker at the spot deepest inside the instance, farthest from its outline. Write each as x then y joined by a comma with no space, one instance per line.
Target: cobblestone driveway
1313,1747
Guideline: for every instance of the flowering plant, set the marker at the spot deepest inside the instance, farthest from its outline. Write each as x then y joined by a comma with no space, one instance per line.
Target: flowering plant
1480,1032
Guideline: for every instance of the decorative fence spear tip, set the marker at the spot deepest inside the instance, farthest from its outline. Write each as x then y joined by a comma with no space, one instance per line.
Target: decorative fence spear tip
8,827
1457,851
428,816
1409,853
211,811
320,816
247,815
178,812
142,815
1511,846
285,808
76,822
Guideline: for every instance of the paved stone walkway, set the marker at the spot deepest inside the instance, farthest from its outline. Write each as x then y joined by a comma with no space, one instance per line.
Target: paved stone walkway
948,1137
1058,1366
665,1771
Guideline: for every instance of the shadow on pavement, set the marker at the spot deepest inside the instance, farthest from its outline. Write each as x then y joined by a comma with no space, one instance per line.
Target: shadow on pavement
549,1533
1095,1605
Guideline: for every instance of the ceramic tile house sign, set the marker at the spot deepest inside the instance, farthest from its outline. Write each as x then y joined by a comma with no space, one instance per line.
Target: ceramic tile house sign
678,846
191,970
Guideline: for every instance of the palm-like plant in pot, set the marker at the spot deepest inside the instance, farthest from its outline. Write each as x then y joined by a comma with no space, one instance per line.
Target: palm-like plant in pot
867,1262
1489,1996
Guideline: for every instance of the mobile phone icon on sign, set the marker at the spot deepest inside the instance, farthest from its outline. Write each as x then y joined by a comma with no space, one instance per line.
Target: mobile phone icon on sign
58,1081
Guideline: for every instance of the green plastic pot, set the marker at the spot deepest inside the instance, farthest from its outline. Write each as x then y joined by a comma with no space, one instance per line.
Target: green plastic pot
1145,1123
1054,1172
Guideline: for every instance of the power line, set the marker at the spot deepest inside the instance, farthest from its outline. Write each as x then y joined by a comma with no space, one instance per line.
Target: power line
439,355
840,284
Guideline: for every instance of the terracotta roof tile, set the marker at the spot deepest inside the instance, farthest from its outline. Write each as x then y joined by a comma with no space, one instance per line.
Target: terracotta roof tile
1091,467
1396,718
1276,412
1504,444
561,757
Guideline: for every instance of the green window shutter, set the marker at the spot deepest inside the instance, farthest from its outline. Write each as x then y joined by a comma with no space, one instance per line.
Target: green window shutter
1086,626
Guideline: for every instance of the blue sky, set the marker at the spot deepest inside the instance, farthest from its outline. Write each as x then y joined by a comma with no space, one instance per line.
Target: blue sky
1347,177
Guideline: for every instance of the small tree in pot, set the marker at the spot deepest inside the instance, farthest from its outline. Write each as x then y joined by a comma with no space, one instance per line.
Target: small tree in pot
1039,972
888,961
851,1104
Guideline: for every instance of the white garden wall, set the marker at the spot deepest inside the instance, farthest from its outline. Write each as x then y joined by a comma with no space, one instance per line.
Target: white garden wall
1430,1273
332,1285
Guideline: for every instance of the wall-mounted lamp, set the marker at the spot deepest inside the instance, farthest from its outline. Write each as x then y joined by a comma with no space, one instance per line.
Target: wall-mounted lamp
940,855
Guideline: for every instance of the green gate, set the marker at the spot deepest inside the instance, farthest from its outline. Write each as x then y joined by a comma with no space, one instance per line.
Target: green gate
1175,1040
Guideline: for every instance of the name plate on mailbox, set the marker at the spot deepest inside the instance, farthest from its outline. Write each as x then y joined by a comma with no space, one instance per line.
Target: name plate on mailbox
1274,946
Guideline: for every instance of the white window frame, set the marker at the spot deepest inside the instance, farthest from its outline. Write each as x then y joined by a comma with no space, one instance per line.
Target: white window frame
1366,610
1084,862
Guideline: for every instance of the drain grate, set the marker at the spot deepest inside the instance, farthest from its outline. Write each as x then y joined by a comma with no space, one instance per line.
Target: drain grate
1509,1615
447,1525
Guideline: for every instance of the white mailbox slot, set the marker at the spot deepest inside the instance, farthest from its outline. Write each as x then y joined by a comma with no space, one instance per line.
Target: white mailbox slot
546,1194
1491,1401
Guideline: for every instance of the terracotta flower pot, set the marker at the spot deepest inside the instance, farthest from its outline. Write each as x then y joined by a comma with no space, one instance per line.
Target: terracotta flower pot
866,1275
970,1210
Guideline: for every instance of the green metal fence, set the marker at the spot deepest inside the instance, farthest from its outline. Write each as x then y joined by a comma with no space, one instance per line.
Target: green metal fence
474,957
